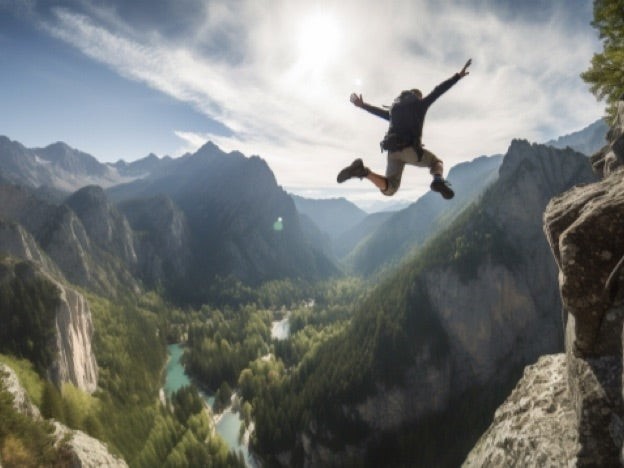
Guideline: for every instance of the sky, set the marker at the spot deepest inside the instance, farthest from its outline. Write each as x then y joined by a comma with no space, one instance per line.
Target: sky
120,79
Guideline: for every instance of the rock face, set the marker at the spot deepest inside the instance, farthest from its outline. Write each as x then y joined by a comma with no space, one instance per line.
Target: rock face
105,226
21,402
585,228
86,451
163,243
75,360
541,396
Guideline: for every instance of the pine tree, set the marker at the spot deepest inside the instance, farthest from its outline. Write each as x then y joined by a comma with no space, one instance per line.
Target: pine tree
606,73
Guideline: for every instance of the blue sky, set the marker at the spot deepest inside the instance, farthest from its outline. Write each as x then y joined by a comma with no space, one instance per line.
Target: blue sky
120,79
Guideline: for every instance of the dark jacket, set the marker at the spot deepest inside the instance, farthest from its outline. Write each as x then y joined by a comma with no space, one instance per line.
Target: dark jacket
414,134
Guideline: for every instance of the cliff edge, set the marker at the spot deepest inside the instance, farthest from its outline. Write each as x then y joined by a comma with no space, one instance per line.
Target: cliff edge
567,409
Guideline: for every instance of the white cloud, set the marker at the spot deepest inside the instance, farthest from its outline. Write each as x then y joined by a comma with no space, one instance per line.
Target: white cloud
288,102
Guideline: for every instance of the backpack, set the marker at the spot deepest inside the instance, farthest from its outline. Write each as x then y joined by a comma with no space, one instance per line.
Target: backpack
402,122
402,112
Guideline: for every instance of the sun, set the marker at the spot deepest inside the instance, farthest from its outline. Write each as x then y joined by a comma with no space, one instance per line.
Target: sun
319,39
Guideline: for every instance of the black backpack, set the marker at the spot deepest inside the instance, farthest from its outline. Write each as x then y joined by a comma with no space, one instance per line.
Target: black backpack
402,122
403,113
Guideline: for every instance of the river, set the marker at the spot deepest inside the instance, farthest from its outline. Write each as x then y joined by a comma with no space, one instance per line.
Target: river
228,423
280,329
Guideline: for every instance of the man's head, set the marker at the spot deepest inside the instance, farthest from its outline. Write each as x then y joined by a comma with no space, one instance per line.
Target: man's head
417,93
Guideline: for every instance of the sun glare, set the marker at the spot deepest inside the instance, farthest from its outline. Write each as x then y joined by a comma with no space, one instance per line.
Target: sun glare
319,39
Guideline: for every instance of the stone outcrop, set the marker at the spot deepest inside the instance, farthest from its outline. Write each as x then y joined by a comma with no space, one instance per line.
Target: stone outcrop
585,230
85,451
21,402
542,397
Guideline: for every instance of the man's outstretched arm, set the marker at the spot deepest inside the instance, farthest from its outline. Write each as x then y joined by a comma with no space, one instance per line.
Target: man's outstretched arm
359,102
446,85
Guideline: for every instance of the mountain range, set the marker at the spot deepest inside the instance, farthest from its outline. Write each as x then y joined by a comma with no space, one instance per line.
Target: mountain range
467,298
183,223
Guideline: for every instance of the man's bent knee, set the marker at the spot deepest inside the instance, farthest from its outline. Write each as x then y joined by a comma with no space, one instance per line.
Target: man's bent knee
391,188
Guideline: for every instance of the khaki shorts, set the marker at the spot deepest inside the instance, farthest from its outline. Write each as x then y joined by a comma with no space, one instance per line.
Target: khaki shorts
397,161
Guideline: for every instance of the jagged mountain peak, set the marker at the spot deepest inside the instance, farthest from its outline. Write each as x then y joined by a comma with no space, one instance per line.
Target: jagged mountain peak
71,160
5,140
521,152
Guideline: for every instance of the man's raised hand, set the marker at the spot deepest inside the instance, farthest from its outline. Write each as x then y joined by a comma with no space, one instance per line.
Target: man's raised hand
464,71
356,100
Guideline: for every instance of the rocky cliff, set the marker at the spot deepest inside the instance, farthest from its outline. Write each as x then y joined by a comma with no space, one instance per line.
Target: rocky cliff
585,228
75,361
84,451
46,321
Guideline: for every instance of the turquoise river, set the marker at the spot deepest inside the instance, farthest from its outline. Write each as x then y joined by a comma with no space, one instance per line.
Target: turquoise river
228,425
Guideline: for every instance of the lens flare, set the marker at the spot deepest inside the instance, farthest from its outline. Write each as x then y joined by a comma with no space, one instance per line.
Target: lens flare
278,225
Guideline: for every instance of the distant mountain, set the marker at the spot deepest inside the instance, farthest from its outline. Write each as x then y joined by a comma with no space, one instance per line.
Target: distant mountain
383,205
142,167
57,166
332,216
231,203
187,220
70,160
586,141
359,233
432,351
407,229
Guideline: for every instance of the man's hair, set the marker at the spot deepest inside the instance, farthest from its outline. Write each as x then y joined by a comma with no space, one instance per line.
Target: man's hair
417,92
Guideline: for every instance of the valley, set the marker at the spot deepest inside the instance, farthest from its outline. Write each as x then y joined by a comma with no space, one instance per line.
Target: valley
340,336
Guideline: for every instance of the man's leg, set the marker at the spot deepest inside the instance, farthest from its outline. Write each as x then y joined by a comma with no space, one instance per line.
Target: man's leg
357,169
436,168
389,184
380,181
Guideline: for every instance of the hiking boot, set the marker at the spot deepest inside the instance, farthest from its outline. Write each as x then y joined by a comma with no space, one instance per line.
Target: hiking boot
356,169
442,186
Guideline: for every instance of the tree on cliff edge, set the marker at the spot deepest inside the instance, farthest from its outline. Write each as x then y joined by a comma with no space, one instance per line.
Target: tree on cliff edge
606,73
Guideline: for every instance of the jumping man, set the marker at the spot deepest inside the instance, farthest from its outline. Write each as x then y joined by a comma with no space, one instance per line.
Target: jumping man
403,139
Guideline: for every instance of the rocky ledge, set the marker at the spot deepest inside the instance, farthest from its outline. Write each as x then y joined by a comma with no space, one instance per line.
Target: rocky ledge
85,451
568,409
543,399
